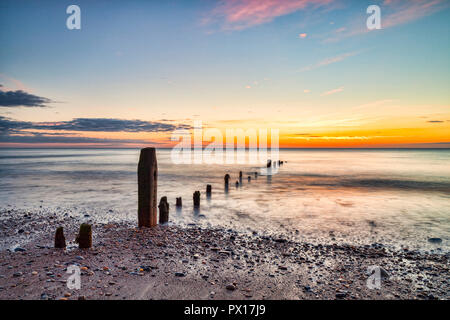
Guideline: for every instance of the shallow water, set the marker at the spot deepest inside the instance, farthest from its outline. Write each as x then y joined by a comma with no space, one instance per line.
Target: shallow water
394,197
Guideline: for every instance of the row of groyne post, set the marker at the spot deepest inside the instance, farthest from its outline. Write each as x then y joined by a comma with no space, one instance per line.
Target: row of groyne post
147,189
147,172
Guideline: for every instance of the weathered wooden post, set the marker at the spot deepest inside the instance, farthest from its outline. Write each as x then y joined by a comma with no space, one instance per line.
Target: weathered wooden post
147,187
60,240
227,179
179,202
269,163
84,238
249,178
237,184
196,199
208,190
256,175
163,210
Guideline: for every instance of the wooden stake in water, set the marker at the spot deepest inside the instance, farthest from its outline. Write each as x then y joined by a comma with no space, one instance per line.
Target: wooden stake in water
163,210
196,199
179,202
226,178
208,189
147,188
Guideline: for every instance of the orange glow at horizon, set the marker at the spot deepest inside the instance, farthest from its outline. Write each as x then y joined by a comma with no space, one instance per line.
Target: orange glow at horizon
373,136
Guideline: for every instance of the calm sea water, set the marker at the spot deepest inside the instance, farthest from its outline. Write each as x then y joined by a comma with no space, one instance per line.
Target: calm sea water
394,197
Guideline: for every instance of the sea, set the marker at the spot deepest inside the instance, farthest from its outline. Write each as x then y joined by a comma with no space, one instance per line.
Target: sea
394,197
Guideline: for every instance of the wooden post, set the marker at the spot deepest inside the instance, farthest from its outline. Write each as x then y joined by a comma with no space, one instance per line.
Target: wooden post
60,240
196,199
208,189
269,163
84,238
163,210
147,188
226,178
179,202
249,178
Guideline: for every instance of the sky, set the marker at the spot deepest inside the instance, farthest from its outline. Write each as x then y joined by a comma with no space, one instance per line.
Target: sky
138,70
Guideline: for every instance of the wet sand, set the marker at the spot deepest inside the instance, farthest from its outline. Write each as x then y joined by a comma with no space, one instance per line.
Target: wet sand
171,262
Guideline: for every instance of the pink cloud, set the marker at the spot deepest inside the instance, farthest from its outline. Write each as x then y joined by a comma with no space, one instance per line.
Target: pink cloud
393,13
331,60
242,14
12,84
327,93
407,11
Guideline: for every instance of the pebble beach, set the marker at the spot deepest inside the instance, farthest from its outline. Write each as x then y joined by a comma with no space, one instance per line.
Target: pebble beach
193,262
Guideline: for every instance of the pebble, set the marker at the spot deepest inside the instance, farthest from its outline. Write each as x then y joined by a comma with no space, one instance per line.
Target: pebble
341,295
231,287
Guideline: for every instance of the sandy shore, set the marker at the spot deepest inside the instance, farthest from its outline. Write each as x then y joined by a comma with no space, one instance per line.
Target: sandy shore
170,262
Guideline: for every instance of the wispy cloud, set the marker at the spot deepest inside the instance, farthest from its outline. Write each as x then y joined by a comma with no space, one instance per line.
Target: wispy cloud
393,13
10,84
329,61
374,104
407,11
327,93
242,14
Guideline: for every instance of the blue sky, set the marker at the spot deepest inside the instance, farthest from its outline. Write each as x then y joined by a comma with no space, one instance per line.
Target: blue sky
236,60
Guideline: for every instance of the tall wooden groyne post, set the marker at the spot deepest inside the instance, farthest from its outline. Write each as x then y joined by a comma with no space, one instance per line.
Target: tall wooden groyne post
147,188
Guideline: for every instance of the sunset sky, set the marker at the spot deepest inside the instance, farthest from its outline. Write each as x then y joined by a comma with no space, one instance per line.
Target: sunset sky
137,70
